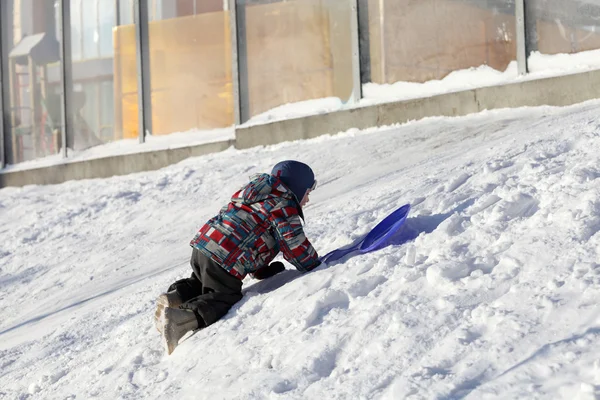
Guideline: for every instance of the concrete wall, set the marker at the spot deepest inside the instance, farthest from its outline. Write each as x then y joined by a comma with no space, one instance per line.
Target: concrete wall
108,166
556,91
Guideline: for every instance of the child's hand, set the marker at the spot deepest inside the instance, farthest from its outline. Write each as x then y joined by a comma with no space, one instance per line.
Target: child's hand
269,270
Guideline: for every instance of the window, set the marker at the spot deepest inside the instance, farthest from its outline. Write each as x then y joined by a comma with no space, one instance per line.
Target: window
106,22
89,21
107,111
90,108
92,22
125,12
76,32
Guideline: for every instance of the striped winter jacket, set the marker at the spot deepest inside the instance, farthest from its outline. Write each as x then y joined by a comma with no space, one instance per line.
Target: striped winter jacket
262,219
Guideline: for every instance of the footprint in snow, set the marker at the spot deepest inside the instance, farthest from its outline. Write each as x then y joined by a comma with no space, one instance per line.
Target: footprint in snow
520,205
332,299
128,195
284,386
457,182
469,336
496,165
365,286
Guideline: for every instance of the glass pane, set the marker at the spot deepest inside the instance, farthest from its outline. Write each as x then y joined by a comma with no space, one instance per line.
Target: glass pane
182,8
32,53
105,79
125,83
76,33
125,12
565,26
419,41
90,111
190,69
157,10
106,23
107,111
89,27
296,50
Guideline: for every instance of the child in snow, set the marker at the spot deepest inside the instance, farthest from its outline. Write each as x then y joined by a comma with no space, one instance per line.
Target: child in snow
262,219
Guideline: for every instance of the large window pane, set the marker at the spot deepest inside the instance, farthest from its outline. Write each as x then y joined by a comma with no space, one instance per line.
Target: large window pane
157,10
99,88
563,26
125,12
106,23
190,66
296,50
31,49
89,27
418,41
76,32
107,111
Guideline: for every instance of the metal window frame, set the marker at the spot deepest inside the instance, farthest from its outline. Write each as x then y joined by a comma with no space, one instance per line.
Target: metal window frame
239,59
3,120
143,69
66,70
364,45
235,77
117,12
521,27
355,42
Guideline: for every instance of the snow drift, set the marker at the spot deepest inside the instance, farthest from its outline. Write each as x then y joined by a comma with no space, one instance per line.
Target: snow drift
496,297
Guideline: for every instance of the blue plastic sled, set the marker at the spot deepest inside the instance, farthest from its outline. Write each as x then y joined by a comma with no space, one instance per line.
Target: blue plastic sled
386,233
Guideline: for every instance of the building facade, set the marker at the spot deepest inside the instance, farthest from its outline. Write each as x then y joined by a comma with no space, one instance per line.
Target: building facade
211,63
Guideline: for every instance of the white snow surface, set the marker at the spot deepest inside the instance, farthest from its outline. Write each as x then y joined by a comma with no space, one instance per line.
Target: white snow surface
497,298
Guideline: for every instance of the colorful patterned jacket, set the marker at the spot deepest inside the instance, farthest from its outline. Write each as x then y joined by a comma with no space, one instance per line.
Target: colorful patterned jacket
262,219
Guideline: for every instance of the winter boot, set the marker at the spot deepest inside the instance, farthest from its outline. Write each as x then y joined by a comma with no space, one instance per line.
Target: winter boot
175,324
169,299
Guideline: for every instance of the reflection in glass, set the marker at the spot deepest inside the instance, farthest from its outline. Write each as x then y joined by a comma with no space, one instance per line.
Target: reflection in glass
565,26
32,53
419,41
92,25
294,51
190,67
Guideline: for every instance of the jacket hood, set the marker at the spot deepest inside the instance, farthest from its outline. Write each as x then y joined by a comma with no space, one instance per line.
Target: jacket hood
263,187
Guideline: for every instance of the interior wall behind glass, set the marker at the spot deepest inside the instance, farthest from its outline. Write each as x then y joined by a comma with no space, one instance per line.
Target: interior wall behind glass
190,67
296,50
563,26
418,41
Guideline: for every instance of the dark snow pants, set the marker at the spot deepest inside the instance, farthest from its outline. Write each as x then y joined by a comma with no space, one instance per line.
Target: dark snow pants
211,291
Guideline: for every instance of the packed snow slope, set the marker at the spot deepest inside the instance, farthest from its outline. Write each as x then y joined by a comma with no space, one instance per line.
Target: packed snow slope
497,297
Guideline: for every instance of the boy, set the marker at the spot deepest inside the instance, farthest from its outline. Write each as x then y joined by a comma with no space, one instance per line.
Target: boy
262,219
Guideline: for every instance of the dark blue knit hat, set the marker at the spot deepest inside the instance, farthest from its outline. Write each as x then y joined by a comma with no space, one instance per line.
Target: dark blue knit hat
297,176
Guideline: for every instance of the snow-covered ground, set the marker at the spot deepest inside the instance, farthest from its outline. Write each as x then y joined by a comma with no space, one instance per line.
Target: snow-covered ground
497,298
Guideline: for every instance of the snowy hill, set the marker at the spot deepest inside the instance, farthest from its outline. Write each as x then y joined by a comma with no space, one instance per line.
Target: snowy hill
496,298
